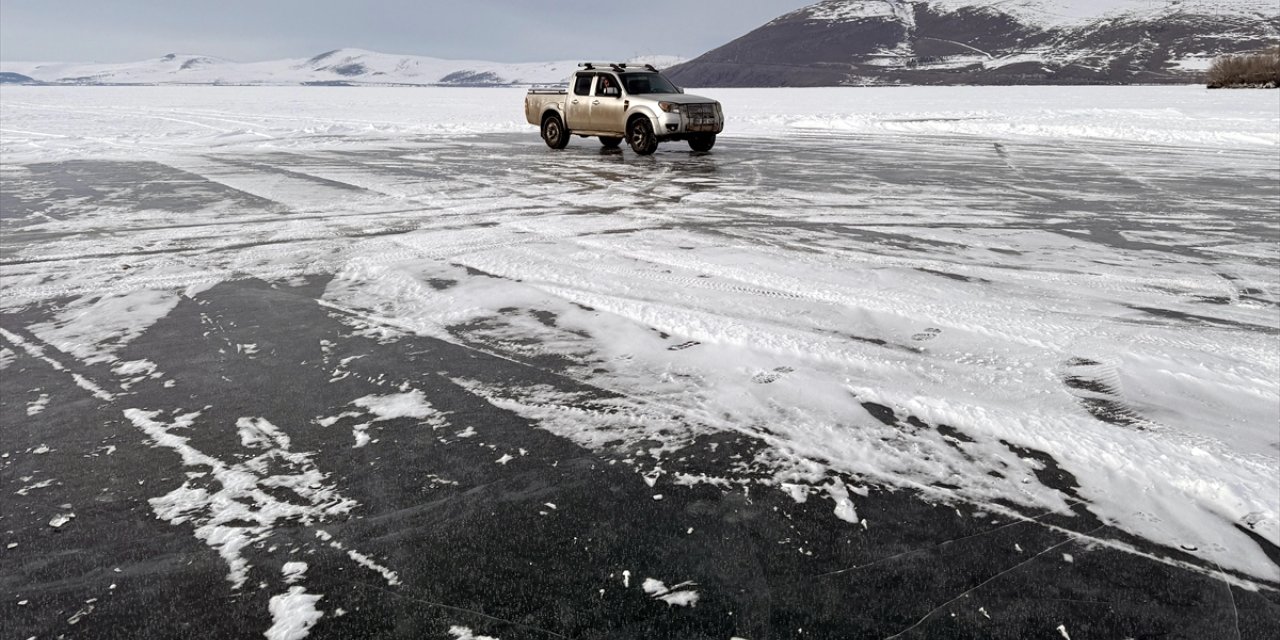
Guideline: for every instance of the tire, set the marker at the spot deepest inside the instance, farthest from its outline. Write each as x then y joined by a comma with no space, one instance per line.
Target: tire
641,137
610,143
554,133
702,143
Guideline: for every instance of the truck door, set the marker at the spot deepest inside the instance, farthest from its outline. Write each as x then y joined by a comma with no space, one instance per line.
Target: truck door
578,107
607,102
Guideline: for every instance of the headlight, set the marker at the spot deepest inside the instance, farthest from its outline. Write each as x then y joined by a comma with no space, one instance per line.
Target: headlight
669,107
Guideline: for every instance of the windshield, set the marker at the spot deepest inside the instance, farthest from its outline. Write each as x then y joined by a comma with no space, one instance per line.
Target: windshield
638,83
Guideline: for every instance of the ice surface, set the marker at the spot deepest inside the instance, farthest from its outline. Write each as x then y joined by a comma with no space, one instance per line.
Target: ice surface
867,327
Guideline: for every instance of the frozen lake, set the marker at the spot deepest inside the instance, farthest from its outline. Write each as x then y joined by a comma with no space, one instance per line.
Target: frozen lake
981,361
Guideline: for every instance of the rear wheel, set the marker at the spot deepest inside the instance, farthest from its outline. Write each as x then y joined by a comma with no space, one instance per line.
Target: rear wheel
609,142
554,133
702,142
640,136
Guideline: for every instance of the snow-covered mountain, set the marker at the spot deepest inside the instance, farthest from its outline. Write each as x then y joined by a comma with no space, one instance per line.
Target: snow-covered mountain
988,42
338,67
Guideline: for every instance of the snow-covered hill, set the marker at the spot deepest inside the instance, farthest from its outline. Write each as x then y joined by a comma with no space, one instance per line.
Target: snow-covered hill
341,66
989,42
1071,13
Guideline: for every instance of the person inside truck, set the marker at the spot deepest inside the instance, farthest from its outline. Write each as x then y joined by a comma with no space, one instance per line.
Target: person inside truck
607,87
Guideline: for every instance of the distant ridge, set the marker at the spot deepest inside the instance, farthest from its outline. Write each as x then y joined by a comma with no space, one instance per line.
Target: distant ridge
16,78
885,42
339,67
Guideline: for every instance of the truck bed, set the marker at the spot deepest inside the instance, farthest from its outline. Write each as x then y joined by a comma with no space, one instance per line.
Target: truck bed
538,98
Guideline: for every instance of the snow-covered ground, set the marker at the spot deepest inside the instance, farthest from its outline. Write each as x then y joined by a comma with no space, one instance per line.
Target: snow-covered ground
42,123
897,287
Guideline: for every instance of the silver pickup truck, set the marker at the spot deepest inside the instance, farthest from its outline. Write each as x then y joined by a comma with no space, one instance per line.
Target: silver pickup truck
612,102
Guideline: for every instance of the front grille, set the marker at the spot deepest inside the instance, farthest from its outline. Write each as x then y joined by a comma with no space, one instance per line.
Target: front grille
700,117
701,110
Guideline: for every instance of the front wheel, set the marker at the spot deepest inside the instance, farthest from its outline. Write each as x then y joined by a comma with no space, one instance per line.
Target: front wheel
702,143
554,133
610,142
640,136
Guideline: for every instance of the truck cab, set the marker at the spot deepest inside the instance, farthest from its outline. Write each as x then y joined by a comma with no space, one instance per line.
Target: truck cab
614,102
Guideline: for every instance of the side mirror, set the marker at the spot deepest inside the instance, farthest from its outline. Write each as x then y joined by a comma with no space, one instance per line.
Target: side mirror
680,89
612,92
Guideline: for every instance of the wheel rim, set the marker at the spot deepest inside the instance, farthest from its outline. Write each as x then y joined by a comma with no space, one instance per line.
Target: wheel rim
638,135
553,130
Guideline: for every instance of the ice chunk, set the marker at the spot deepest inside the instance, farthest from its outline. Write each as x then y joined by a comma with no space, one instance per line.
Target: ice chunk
60,520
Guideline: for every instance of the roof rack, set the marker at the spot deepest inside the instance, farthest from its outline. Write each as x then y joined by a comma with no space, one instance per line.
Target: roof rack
616,66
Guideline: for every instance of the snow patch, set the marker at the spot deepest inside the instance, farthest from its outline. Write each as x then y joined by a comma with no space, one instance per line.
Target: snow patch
36,406
293,571
232,506
679,595
293,614
410,404
391,577
93,328
844,506
134,368
464,633
37,485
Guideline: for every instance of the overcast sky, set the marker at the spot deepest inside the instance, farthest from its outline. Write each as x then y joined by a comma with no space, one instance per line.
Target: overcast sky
248,30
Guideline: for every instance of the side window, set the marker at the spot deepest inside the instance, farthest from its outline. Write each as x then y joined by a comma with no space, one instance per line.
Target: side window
582,85
608,86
